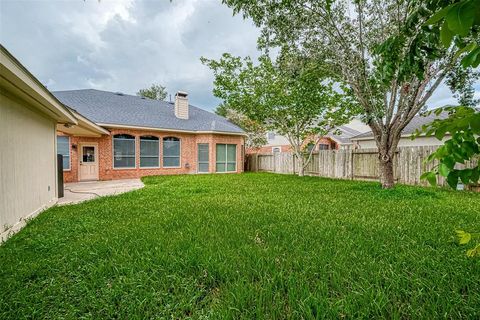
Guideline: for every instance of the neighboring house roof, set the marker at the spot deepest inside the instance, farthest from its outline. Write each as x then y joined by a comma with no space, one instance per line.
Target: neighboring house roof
416,123
109,108
343,135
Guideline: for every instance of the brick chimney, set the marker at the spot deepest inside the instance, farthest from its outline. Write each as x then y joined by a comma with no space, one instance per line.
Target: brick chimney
181,105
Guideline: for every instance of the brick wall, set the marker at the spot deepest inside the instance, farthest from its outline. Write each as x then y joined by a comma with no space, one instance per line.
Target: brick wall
188,154
287,148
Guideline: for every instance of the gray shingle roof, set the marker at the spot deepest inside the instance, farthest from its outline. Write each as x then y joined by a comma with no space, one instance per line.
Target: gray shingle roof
122,109
417,122
343,134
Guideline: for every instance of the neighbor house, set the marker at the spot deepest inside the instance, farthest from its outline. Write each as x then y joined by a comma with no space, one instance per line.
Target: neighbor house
29,115
366,140
145,137
340,138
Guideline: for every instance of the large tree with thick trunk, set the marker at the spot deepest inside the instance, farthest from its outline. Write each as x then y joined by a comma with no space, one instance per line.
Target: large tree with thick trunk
382,49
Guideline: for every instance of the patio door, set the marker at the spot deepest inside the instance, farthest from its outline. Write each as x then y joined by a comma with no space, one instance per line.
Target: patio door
88,169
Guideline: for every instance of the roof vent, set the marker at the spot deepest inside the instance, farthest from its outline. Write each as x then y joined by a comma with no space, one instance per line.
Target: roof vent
119,94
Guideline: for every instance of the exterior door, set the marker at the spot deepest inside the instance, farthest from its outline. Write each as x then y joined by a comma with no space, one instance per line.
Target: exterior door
88,169
203,158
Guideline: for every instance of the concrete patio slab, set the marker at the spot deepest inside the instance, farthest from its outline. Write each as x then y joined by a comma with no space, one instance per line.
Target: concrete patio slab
81,191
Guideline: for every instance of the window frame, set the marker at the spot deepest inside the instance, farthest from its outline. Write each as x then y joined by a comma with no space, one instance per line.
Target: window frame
140,152
179,153
113,152
321,147
69,152
203,162
226,158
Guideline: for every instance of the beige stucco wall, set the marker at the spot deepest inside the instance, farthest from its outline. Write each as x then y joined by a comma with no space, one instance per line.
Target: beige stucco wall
27,163
404,142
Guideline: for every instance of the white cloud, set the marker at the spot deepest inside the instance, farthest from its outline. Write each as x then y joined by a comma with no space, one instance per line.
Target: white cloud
125,45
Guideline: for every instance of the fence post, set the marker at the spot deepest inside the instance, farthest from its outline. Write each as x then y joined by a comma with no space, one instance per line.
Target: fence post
351,163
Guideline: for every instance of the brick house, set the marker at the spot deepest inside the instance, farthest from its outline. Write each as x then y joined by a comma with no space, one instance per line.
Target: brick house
340,138
139,137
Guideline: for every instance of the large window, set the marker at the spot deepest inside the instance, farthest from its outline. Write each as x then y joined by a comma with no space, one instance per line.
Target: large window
63,148
149,149
123,151
226,157
171,152
203,157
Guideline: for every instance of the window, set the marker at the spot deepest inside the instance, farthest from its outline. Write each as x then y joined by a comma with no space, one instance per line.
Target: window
88,154
63,148
271,135
149,150
203,157
226,157
171,152
323,146
276,149
123,151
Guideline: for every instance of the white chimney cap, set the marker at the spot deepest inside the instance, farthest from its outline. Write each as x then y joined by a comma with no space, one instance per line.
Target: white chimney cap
181,93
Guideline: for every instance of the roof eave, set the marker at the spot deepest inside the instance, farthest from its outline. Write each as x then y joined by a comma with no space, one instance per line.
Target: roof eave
17,80
122,126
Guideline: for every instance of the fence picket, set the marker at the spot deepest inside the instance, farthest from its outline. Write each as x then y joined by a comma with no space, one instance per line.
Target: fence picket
361,164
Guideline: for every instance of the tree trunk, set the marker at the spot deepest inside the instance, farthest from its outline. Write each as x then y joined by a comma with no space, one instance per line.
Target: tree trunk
387,178
301,165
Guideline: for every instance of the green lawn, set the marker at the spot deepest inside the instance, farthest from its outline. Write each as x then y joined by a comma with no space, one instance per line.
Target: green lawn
247,246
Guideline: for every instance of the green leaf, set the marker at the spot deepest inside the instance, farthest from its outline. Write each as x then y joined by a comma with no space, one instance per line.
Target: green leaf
460,18
465,175
430,176
449,161
475,175
446,35
467,48
475,123
440,132
438,16
463,237
452,179
443,169
471,58
438,111
475,251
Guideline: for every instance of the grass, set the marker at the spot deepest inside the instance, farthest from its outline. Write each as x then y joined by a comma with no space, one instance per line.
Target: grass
247,246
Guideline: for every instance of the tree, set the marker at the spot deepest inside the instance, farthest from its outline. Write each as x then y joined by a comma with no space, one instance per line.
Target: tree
155,92
381,49
460,22
290,96
463,124
256,132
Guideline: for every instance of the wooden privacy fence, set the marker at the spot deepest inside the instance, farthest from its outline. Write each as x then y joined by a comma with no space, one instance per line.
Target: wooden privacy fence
361,164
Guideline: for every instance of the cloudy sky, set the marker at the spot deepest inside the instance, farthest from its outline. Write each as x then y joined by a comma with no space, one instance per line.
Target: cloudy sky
125,45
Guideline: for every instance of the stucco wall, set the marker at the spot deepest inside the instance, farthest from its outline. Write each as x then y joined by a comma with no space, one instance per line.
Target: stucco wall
188,154
27,163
